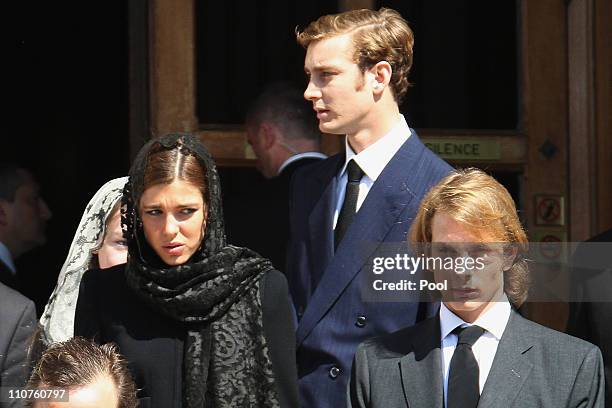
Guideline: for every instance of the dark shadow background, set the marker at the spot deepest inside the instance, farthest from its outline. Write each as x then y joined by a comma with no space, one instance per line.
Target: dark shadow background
67,116
464,71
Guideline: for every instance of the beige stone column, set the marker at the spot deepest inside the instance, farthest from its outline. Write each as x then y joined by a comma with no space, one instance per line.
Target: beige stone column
172,66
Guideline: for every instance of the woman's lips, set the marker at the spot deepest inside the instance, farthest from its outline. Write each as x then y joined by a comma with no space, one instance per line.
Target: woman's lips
174,249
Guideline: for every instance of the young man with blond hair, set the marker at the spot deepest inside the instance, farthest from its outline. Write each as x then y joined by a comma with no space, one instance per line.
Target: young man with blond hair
357,63
477,351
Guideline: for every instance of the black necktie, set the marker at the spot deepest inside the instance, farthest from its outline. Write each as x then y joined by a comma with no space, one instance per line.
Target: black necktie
349,206
463,391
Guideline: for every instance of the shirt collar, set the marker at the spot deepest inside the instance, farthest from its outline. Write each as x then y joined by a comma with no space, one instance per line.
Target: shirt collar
7,259
493,320
375,157
305,155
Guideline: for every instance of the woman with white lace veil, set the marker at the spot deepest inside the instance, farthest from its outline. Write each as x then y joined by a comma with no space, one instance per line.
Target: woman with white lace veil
98,243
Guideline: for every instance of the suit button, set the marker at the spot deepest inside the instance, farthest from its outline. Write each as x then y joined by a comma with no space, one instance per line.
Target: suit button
300,312
361,321
334,372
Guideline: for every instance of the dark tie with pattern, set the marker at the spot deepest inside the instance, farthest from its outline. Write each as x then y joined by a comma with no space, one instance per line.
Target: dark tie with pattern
463,391
349,206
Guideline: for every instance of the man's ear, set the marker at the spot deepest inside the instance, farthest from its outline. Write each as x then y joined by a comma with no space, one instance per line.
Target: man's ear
381,73
268,135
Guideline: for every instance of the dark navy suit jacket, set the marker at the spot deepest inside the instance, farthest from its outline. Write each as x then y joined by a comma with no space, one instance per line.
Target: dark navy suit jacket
332,317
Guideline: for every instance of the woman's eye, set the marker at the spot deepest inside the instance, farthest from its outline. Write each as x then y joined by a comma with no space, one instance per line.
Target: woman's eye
153,212
187,211
121,242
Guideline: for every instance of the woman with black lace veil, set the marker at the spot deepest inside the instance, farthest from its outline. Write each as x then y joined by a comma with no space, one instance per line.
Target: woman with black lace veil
202,323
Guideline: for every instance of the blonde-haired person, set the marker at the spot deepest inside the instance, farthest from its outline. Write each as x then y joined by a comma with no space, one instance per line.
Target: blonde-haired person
98,243
358,64
477,351
482,204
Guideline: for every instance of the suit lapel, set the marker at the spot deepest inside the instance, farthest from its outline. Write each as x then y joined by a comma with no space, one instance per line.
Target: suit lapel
421,370
511,366
388,197
320,222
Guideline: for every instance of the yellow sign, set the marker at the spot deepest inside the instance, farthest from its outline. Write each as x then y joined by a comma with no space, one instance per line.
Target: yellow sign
455,148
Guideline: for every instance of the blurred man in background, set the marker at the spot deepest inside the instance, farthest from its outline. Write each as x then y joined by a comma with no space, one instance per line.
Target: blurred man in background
23,219
282,130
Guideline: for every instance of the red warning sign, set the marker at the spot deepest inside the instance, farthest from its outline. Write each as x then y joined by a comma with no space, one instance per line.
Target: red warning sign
549,210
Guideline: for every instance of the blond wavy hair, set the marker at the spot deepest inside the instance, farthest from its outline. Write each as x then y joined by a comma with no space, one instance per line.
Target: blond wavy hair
381,35
474,198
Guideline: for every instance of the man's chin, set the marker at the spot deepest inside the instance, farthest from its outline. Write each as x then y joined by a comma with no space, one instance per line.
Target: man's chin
463,306
329,128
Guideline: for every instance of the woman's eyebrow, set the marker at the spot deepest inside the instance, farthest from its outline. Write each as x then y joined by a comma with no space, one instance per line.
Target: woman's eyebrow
149,206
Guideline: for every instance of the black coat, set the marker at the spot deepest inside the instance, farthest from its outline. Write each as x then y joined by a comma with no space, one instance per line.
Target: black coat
266,230
153,344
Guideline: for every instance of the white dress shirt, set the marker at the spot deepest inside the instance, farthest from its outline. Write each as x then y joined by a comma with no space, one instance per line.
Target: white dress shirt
7,259
305,155
494,322
372,161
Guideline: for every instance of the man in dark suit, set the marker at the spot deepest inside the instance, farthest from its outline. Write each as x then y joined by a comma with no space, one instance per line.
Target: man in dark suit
343,208
477,351
17,324
282,130
23,217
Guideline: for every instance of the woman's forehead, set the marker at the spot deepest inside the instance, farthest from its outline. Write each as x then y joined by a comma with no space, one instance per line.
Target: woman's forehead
176,190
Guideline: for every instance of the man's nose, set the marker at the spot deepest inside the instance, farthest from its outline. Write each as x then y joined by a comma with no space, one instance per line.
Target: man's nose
464,265
312,92
45,212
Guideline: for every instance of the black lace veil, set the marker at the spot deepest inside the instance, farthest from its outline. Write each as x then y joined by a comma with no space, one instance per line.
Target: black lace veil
215,295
